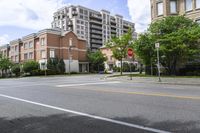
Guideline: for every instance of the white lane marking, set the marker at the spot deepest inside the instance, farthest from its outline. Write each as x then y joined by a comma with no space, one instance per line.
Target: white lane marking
84,84
87,115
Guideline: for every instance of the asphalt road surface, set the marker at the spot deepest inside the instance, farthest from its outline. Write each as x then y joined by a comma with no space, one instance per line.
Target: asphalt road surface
91,104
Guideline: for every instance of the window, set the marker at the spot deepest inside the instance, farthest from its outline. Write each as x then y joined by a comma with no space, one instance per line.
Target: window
52,53
31,44
197,3
160,8
43,54
25,56
81,11
85,12
16,48
70,42
188,5
16,58
42,41
81,16
25,45
173,7
31,55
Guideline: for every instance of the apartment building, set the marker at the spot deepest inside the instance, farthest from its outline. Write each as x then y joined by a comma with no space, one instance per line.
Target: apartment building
4,50
50,43
163,8
94,26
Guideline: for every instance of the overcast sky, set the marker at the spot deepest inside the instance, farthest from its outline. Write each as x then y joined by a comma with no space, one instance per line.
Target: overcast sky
22,17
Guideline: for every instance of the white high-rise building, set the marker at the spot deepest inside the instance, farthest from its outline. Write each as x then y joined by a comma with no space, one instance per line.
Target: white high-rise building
94,26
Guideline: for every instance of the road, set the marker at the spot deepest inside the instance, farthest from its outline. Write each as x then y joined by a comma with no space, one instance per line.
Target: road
92,104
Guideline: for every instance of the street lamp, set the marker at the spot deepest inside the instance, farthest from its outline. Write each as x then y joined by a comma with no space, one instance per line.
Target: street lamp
157,45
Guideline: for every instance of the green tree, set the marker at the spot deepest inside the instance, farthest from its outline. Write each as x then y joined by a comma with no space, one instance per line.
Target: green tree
16,69
30,66
179,42
145,49
5,64
96,60
61,66
119,46
52,64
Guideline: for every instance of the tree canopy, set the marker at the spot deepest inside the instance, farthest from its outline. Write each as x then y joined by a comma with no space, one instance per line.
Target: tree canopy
119,46
96,60
179,39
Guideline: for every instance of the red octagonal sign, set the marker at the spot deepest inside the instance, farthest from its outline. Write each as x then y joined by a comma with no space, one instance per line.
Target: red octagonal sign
130,52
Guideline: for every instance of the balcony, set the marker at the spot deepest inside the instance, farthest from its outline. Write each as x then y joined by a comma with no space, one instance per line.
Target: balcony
113,31
95,16
96,41
96,27
96,22
96,37
96,32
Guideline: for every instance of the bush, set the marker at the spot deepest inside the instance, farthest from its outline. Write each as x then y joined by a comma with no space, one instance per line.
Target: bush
29,66
116,69
126,67
39,72
16,70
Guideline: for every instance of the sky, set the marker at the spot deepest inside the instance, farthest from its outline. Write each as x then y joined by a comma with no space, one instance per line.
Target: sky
22,17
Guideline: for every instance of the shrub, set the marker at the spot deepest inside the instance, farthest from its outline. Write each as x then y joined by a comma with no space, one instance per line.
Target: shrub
16,70
29,66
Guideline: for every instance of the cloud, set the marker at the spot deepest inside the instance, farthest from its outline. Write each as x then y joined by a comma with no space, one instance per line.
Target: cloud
31,14
4,39
140,13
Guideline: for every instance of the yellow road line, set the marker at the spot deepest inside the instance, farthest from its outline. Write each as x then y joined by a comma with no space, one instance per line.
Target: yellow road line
146,94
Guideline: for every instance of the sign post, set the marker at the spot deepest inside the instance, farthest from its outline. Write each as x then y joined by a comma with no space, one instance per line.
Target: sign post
130,55
157,45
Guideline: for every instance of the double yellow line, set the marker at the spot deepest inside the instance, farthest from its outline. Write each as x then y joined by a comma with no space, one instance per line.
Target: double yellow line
146,94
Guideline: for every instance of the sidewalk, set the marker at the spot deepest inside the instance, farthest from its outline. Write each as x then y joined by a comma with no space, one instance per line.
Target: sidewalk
164,80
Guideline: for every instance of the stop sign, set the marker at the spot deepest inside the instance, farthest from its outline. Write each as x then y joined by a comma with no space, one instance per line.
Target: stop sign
130,52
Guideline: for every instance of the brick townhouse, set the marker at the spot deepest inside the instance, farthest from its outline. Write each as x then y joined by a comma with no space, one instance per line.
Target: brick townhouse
49,43
4,50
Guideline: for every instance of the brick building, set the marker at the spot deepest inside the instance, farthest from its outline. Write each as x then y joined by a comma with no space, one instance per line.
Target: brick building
4,50
163,8
50,43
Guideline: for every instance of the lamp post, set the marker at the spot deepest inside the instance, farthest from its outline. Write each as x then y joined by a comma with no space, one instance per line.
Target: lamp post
157,45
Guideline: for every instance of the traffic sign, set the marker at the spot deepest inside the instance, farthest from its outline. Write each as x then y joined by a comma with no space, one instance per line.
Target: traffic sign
130,52
157,45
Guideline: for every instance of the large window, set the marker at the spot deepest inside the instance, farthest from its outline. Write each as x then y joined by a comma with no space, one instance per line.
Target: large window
31,55
25,45
188,5
31,44
42,41
173,7
52,53
160,8
197,3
